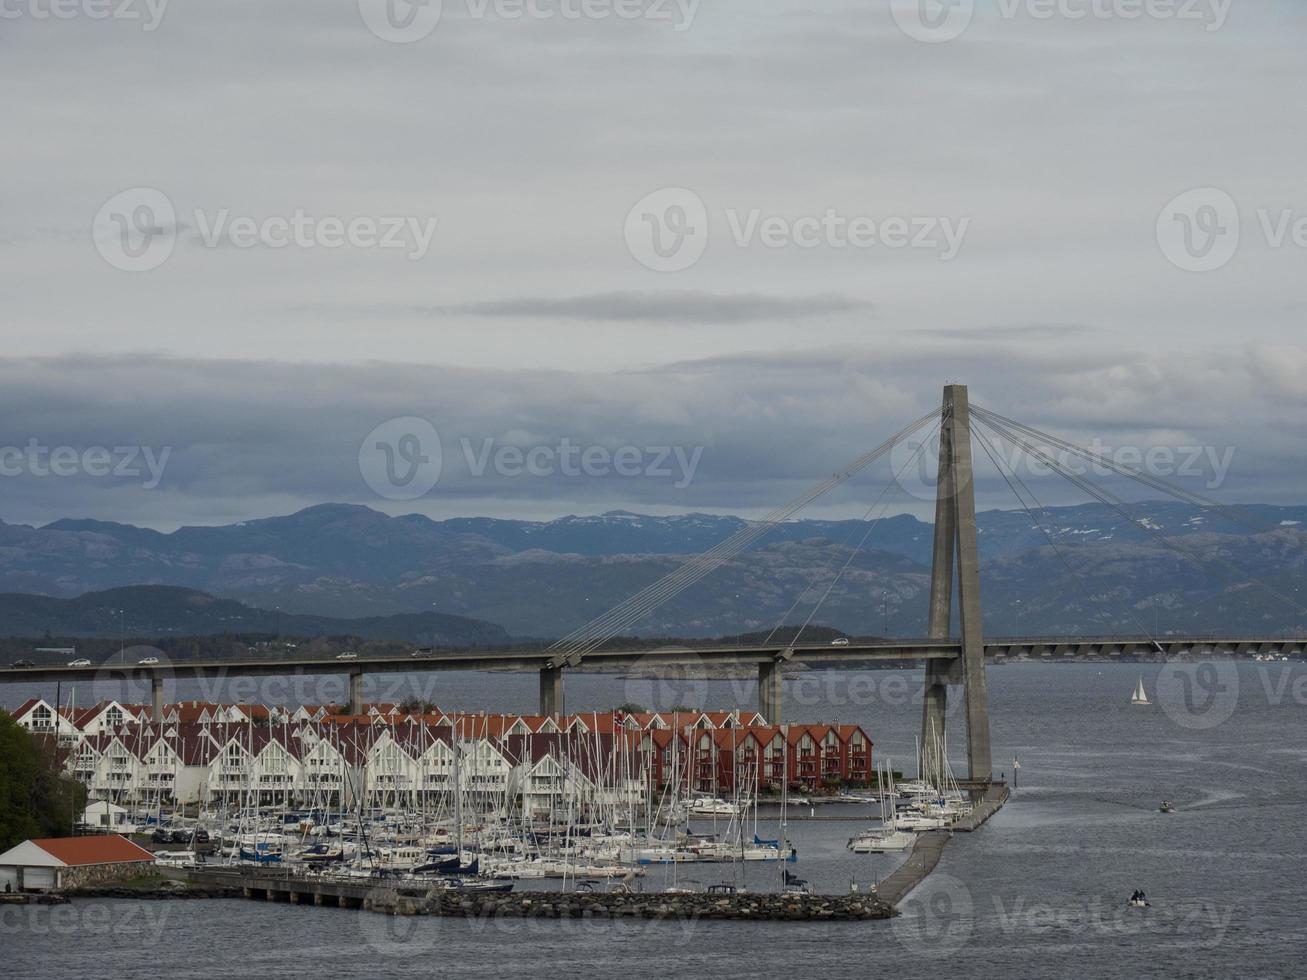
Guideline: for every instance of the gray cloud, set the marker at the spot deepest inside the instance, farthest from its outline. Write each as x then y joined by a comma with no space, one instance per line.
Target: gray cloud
264,368
669,306
248,439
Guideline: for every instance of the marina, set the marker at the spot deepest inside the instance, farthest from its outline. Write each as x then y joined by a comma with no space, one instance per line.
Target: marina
437,802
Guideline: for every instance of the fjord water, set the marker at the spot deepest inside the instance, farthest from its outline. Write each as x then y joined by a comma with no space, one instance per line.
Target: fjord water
1040,891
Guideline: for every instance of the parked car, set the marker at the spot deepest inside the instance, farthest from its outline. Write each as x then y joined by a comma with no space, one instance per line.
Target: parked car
147,661
840,641
161,836
180,836
23,663
81,662
201,836
347,655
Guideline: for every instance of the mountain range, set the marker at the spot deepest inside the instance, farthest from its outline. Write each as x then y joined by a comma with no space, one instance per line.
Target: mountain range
159,611
1087,570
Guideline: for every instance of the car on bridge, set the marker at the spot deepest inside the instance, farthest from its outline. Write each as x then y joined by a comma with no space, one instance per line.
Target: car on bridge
23,663
840,641
347,655
147,662
82,662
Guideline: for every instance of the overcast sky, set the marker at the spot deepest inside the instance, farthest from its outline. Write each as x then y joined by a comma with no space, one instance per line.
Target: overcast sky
521,300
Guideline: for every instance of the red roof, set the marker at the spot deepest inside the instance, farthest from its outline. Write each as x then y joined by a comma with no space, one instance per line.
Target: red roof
97,849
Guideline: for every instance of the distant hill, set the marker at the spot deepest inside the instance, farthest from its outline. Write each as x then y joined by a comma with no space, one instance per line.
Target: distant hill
154,611
542,579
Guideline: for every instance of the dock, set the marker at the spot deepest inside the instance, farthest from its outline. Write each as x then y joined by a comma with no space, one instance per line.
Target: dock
929,847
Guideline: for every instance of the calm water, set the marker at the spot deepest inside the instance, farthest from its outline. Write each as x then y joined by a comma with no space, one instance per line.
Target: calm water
1038,892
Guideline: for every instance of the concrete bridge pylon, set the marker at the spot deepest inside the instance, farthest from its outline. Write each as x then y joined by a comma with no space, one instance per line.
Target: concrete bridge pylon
955,549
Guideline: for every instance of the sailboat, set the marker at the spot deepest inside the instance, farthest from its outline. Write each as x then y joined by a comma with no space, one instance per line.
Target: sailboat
1140,696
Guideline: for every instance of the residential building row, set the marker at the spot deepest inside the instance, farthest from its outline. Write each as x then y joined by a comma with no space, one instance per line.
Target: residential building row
235,755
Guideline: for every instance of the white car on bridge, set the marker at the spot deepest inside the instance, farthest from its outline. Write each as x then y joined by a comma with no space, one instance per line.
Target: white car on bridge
147,661
840,641
347,655
83,662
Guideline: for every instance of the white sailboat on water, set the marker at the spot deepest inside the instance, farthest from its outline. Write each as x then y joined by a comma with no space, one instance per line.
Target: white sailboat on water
1140,696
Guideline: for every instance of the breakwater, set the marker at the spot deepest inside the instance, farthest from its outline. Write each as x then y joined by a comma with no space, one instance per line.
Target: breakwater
582,905
406,900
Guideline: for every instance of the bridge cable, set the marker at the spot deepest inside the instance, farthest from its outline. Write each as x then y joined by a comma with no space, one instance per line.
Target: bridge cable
1147,479
594,634
878,503
1116,503
867,533
694,570
1004,471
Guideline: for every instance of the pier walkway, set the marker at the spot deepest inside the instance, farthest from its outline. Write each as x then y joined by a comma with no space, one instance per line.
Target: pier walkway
929,847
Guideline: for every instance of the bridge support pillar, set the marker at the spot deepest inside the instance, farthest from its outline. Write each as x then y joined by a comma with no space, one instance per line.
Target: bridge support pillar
551,691
934,711
955,540
355,706
769,692
156,698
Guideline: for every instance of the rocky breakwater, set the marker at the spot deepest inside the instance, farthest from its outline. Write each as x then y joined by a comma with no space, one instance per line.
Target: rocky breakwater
638,905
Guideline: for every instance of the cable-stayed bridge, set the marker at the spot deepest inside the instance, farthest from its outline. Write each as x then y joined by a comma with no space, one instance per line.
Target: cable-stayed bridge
954,658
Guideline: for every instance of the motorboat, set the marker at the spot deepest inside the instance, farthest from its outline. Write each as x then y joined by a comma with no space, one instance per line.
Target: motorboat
711,806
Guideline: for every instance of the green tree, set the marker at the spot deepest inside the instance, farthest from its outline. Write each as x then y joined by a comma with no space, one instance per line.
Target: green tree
37,799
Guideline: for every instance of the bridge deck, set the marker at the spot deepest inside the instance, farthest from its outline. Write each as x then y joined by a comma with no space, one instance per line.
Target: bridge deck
854,654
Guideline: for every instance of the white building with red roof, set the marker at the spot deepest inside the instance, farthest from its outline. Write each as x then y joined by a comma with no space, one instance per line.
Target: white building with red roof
68,862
